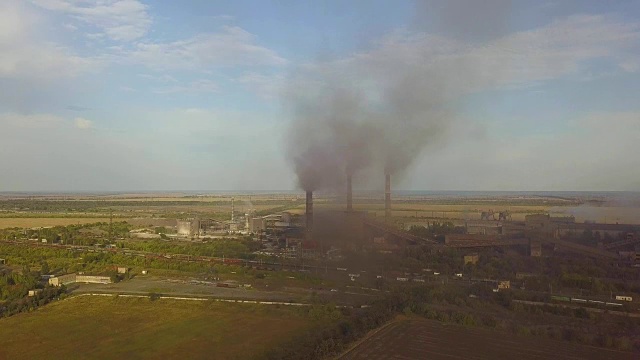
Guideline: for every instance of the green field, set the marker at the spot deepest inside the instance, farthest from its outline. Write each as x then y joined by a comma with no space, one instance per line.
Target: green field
137,328
29,222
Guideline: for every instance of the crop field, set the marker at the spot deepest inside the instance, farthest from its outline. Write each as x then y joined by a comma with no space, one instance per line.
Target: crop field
429,339
132,328
43,221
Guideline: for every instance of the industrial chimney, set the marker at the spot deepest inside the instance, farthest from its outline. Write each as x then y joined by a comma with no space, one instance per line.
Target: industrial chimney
309,215
387,196
349,194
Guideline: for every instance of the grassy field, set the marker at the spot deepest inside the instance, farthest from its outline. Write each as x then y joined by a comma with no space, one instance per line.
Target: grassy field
42,222
130,328
428,339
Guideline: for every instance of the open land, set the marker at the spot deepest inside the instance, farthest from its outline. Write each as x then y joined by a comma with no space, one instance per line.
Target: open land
75,208
264,266
132,328
30,222
429,339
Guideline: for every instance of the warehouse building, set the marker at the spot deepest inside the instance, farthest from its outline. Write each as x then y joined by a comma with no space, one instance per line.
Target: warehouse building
62,280
72,278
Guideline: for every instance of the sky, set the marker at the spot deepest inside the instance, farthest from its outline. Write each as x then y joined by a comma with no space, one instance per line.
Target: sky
124,95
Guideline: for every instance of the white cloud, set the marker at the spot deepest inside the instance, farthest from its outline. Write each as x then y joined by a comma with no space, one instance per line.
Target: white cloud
197,86
121,20
224,17
70,27
561,48
25,55
164,78
266,86
231,47
82,123
42,61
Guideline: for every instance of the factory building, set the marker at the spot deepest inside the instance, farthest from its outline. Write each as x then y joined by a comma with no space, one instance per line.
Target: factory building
256,225
185,228
72,278
92,279
566,226
546,224
62,280
201,227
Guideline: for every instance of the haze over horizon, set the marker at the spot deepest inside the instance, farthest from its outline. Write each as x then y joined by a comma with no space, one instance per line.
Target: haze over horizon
115,95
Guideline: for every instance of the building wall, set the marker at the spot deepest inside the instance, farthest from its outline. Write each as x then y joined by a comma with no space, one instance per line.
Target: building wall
93,279
71,278
184,228
195,227
256,225
62,280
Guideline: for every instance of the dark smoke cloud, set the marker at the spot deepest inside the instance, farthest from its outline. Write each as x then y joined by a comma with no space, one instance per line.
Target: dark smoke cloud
328,136
337,128
467,20
376,111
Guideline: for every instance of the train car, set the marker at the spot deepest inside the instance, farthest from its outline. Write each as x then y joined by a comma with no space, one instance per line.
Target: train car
624,298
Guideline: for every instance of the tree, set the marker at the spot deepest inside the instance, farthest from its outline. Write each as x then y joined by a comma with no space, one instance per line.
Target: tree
44,268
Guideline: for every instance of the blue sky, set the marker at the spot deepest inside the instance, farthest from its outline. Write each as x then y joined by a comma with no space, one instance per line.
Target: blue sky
191,95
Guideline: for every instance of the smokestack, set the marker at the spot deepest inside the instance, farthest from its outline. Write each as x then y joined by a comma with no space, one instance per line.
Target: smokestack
309,214
349,194
387,196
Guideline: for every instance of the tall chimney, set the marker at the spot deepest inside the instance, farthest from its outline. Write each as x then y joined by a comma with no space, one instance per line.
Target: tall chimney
387,196
349,194
309,215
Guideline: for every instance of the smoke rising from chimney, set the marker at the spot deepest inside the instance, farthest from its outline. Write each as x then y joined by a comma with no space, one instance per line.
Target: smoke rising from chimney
309,215
378,111
338,129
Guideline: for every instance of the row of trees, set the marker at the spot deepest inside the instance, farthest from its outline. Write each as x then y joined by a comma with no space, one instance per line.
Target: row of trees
453,305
